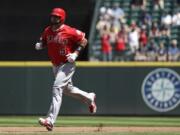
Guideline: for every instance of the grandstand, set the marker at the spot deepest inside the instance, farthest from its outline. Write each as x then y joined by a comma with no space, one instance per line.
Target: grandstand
133,14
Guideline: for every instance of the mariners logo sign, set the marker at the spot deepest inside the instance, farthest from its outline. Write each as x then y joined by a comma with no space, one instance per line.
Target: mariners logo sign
161,90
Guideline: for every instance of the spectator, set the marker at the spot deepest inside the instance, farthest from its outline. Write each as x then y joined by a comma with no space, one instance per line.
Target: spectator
120,46
118,12
106,47
164,35
162,52
103,25
112,34
154,32
166,19
103,10
152,49
145,18
176,19
138,3
133,38
117,16
140,55
143,39
158,4
173,51
116,24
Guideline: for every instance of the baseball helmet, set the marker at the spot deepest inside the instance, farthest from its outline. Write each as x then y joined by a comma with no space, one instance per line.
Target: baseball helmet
60,13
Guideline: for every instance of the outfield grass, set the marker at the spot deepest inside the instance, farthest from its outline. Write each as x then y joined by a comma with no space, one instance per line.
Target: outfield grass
93,121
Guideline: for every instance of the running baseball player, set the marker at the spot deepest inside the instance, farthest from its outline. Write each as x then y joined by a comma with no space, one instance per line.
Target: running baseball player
64,44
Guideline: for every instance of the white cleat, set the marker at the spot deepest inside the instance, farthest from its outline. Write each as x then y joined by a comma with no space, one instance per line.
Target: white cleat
46,123
93,107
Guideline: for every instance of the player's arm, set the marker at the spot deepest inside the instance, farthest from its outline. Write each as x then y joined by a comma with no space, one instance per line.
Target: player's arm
81,45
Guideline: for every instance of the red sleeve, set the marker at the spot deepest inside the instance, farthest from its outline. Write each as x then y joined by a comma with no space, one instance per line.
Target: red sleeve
78,35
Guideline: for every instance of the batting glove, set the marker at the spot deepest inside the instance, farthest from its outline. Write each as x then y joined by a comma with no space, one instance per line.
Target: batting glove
38,46
71,57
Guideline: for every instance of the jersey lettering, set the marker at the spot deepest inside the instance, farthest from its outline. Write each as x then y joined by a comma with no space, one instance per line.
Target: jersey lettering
57,40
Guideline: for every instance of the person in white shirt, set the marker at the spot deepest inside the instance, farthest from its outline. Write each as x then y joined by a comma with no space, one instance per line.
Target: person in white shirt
133,38
166,19
176,19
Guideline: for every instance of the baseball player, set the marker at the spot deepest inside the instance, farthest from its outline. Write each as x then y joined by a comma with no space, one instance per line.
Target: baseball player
64,44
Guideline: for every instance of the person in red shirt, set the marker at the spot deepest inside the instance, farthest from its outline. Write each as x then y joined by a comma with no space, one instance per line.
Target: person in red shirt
106,47
120,46
64,44
143,38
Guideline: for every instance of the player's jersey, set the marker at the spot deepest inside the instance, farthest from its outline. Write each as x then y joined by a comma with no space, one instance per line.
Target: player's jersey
61,42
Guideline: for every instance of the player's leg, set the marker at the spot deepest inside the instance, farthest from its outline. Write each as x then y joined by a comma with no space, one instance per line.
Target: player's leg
63,74
53,110
85,97
55,104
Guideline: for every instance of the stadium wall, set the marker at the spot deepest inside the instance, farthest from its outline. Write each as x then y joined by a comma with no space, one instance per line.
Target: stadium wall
26,88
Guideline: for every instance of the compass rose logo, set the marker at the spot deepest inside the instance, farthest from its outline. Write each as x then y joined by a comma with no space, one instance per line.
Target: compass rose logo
161,89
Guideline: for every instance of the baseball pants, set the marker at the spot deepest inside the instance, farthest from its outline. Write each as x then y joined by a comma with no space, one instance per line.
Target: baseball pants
63,85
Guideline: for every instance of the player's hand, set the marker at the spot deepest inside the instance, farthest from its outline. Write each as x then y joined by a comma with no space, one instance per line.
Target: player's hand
38,46
71,57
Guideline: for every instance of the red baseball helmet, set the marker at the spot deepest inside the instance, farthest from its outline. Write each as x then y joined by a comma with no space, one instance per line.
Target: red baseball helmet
60,13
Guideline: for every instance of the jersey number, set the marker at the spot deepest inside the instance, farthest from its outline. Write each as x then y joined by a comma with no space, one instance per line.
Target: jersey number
62,52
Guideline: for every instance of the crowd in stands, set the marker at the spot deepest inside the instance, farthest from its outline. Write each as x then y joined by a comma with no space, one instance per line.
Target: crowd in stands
144,39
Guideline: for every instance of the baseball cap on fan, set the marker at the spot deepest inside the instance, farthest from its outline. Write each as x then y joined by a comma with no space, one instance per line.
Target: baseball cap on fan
60,13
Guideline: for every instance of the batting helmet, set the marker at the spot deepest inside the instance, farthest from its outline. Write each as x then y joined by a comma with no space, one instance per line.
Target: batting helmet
60,13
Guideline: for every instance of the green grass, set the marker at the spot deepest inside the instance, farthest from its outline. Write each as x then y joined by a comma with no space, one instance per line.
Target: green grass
119,121
93,121
68,121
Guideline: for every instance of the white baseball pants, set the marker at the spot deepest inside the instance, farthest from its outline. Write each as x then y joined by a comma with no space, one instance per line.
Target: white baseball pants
63,85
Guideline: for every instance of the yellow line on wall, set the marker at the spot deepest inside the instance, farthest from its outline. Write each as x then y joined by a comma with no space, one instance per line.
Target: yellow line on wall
90,64
24,64
128,64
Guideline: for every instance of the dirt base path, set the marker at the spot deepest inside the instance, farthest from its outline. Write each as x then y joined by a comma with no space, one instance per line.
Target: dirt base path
87,129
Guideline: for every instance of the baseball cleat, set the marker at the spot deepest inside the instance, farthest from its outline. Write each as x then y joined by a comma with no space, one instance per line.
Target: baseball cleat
46,123
93,107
